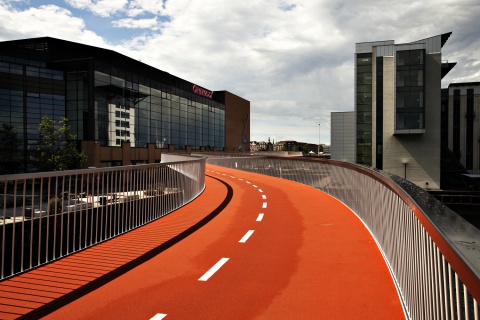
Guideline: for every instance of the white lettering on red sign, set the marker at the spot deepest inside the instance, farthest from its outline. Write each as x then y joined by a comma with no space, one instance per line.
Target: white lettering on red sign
202,92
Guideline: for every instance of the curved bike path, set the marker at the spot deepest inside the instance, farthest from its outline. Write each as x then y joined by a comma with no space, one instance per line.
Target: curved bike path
249,247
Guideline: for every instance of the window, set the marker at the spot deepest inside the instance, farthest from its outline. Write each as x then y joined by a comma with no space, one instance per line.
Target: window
410,57
409,100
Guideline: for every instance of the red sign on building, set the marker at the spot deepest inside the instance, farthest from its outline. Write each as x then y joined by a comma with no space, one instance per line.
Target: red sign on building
202,92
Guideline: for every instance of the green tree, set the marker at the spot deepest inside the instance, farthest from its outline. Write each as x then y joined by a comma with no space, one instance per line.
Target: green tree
9,149
56,148
305,148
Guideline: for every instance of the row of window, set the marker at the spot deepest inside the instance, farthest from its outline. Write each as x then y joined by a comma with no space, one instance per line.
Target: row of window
412,120
122,133
111,75
410,57
409,99
122,124
409,78
177,141
123,115
364,108
14,68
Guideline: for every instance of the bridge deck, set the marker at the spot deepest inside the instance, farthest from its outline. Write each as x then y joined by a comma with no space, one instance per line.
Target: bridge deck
281,250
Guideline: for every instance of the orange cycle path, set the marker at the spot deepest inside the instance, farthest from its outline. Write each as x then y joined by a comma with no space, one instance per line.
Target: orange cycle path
260,248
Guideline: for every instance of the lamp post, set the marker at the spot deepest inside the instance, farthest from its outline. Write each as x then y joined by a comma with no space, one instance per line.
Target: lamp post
318,150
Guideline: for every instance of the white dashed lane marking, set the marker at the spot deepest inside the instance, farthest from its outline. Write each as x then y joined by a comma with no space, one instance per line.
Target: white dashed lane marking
222,261
213,269
246,236
158,316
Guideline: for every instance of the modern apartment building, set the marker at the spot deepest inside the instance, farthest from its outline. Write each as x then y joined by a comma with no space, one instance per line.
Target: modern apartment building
398,107
122,111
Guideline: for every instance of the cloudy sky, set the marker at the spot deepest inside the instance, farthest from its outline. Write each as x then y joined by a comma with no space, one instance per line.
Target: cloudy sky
292,59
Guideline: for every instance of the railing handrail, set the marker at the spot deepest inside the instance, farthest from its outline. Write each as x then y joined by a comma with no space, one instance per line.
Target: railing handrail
46,174
47,215
446,236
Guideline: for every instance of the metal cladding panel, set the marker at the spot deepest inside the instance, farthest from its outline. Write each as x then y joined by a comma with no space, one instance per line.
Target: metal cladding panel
367,47
433,44
385,51
410,46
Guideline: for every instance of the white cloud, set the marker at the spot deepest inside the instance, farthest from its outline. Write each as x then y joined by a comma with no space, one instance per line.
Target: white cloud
103,8
137,7
136,23
292,59
38,22
108,8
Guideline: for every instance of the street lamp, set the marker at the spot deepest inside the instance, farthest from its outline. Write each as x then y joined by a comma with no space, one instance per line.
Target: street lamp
405,169
318,148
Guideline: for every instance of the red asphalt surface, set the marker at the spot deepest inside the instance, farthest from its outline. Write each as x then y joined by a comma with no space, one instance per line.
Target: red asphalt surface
307,257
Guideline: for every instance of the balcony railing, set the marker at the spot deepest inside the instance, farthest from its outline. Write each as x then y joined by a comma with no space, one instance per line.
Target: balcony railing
45,216
432,253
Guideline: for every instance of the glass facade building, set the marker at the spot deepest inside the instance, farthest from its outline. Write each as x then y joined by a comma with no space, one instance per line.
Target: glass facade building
107,97
143,112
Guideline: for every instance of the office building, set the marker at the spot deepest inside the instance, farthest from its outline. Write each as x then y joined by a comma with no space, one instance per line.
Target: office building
398,107
121,110
342,135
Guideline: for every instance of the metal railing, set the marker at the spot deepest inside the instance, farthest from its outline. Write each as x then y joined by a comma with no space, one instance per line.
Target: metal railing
46,216
432,253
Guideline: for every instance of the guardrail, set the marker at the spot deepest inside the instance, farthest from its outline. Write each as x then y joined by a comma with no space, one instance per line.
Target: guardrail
433,254
48,215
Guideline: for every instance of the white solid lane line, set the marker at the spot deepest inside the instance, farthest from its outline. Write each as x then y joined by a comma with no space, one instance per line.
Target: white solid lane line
213,269
260,217
158,316
246,236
